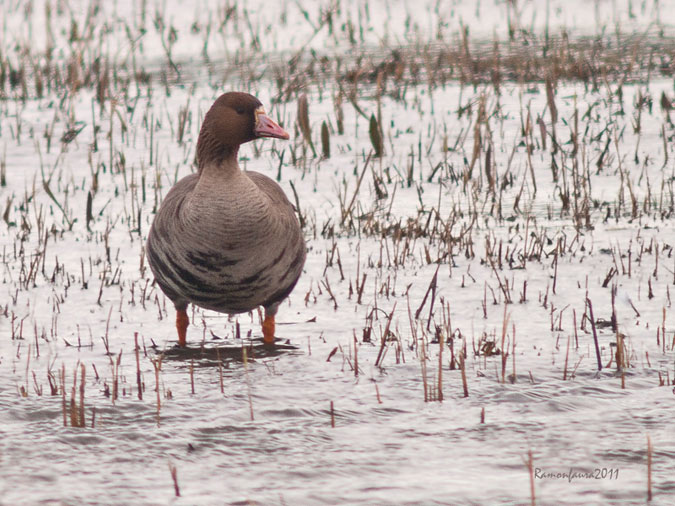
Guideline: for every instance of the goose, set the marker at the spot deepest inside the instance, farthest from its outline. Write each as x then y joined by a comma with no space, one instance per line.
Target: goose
225,239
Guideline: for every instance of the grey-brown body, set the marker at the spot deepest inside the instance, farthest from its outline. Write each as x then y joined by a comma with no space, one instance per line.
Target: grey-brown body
225,239
226,242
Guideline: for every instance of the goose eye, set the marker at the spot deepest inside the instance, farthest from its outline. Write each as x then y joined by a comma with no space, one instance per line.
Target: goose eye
240,110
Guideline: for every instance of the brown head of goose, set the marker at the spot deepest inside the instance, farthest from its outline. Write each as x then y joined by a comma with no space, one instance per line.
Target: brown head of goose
226,239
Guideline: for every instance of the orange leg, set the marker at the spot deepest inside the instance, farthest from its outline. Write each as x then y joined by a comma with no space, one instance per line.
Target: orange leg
182,322
268,329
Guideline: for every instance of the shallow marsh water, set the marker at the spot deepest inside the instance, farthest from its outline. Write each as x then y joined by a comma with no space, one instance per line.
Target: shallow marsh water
511,264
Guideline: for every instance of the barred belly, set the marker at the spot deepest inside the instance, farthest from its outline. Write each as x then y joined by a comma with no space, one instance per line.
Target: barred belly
228,283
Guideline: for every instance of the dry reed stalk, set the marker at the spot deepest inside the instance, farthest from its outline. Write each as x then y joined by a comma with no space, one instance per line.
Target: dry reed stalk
174,478
553,110
505,323
115,369
383,341
356,356
555,271
81,408
567,354
346,211
595,333
74,420
528,151
139,383
339,113
303,121
157,364
248,382
530,468
423,365
220,372
441,343
62,381
76,410
376,136
325,140
432,288
462,367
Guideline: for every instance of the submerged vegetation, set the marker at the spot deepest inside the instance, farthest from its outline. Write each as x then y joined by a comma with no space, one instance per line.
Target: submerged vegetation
481,212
